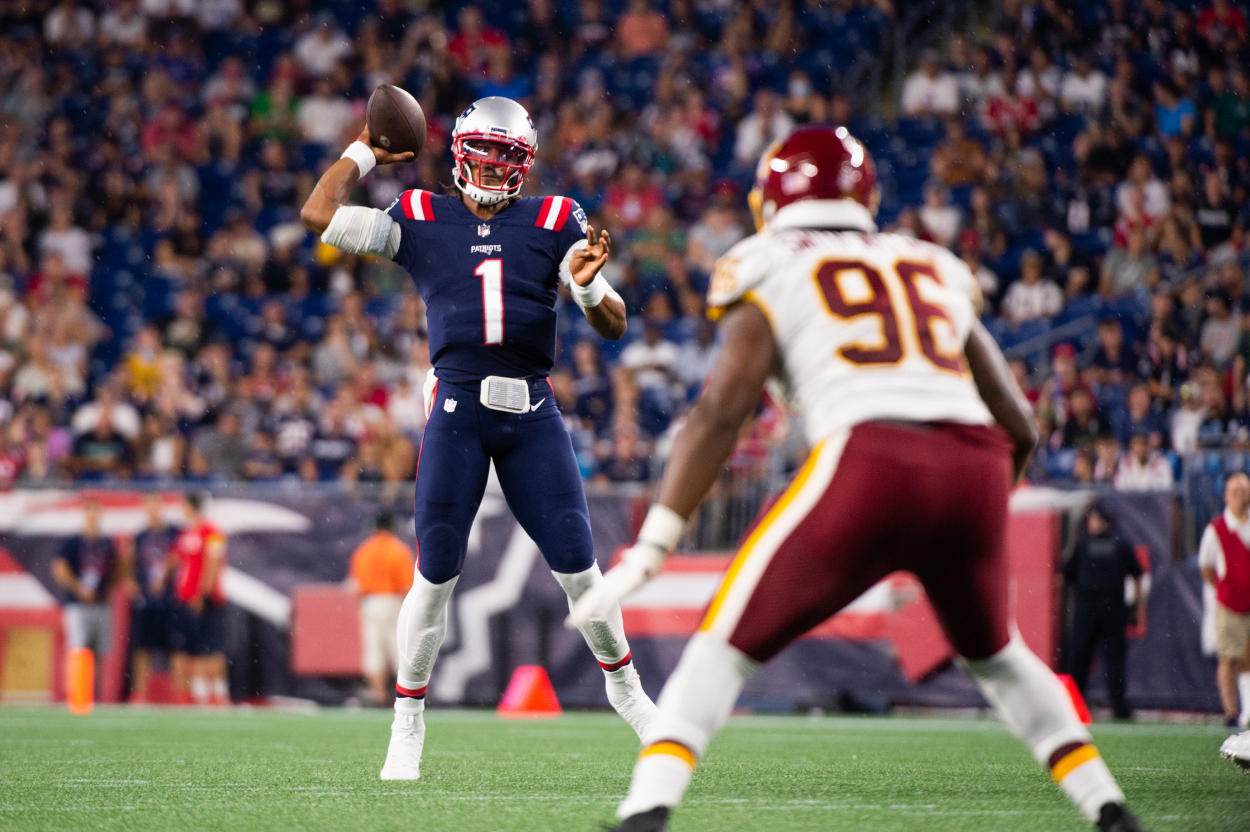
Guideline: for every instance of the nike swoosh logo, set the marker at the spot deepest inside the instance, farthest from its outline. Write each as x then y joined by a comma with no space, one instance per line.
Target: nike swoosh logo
535,407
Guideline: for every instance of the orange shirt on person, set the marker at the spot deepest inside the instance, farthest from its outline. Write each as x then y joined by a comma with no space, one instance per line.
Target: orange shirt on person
382,564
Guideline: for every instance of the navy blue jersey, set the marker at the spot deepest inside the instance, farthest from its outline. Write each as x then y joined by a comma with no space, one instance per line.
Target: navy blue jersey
489,287
151,548
93,560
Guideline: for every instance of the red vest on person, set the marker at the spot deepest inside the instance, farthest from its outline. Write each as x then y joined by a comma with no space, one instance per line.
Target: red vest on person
1233,590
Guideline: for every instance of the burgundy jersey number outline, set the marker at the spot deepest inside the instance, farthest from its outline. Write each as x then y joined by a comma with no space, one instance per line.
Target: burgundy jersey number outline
924,315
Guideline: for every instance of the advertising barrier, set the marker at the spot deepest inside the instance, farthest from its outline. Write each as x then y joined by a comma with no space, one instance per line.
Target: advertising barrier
291,626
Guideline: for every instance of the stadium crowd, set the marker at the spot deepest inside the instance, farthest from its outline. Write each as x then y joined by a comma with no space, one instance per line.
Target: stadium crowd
165,316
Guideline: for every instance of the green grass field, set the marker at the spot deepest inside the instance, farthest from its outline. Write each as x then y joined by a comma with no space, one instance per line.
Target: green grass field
261,770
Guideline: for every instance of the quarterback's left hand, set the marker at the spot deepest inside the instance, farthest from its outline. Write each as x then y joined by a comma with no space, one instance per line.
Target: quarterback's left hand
640,563
586,262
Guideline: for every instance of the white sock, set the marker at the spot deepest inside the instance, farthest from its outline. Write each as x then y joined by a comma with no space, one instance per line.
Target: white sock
422,626
1243,689
1035,707
220,690
199,688
695,703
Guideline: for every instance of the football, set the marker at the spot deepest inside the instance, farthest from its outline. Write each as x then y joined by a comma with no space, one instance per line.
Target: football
395,120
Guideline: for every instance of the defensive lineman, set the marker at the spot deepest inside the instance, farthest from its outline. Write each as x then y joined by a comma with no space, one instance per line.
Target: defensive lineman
876,337
488,264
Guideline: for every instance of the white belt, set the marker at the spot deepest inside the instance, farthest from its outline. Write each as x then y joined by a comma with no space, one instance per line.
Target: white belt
511,395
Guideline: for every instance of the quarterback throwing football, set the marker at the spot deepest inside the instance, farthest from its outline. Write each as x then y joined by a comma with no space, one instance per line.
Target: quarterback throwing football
876,338
488,263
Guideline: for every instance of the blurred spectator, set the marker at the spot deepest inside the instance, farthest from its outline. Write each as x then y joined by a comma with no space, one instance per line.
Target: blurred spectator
1141,175
1032,296
652,359
641,30
1041,81
713,235
940,219
1231,108
102,453
1085,424
959,160
1220,19
1143,468
123,25
628,461
87,570
987,281
1223,556
68,24
1084,88
219,452
1114,363
72,243
1097,571
1174,115
322,47
930,91
1129,269
766,124
1142,418
152,616
473,42
1221,331
1217,220
323,115
978,83
380,573
632,198
198,560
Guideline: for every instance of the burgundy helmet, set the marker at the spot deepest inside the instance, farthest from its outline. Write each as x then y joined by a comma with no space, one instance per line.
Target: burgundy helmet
818,161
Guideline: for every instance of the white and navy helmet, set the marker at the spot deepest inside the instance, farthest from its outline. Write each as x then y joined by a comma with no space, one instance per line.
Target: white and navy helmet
494,133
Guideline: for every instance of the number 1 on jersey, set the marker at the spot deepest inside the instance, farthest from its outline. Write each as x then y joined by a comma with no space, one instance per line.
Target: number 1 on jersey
491,272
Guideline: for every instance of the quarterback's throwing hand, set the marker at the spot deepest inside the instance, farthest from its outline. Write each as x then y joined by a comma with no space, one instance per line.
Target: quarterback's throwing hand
383,157
640,563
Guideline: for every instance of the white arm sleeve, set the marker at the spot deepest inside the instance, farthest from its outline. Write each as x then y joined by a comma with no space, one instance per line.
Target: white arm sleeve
566,275
361,230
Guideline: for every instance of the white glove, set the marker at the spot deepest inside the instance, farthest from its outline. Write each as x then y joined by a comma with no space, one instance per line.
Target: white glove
639,564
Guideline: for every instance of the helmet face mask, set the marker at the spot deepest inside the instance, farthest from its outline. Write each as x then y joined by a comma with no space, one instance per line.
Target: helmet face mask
493,144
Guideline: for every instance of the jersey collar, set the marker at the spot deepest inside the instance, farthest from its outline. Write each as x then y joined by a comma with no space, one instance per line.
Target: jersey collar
823,213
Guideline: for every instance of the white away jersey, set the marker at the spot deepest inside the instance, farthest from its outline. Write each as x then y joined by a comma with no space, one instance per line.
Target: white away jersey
870,326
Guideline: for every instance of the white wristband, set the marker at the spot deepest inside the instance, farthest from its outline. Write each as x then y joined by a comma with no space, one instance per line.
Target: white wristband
588,296
362,155
662,527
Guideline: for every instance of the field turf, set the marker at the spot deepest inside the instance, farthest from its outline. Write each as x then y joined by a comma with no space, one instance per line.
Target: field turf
264,770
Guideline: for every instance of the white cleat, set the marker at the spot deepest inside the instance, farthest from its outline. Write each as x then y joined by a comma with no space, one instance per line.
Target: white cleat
403,755
1237,749
631,701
